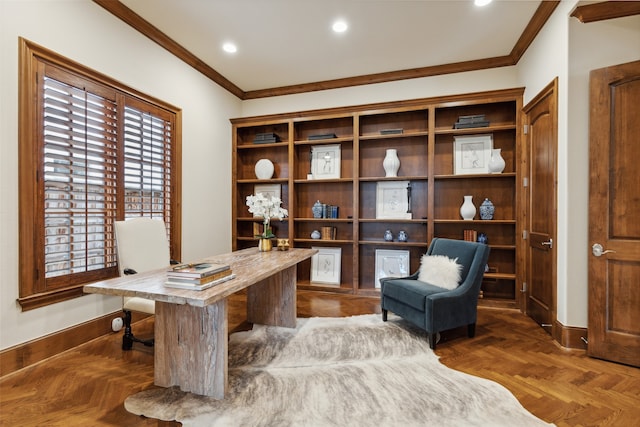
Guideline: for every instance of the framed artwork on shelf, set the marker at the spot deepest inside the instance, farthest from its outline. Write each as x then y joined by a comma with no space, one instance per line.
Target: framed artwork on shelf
325,161
391,263
393,200
472,154
268,190
325,266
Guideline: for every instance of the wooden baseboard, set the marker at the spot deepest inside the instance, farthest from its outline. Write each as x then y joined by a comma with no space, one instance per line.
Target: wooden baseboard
570,336
22,355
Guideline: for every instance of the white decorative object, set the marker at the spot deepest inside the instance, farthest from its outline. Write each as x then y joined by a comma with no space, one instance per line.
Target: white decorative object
325,266
325,161
264,169
392,200
268,208
472,154
440,271
269,191
468,209
391,163
391,263
496,164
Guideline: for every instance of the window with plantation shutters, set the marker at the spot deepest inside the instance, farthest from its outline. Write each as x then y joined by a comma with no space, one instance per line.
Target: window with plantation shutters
147,164
79,180
91,152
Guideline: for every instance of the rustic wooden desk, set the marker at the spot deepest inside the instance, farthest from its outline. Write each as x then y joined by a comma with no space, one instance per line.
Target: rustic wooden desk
191,326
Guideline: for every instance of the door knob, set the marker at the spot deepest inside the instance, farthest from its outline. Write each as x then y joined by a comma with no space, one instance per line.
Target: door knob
548,243
598,250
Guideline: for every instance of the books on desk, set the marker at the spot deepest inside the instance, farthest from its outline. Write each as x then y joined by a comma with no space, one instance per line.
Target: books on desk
198,276
198,270
183,284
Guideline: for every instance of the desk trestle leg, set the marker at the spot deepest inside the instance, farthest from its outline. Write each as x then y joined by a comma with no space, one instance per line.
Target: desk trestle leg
191,348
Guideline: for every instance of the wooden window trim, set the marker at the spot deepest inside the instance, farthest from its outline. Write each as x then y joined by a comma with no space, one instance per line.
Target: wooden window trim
32,292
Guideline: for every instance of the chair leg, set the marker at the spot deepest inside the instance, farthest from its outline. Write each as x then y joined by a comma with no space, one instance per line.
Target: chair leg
128,339
384,315
471,330
432,340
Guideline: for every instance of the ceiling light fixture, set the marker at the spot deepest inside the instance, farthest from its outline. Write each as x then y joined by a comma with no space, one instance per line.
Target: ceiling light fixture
340,26
481,2
229,48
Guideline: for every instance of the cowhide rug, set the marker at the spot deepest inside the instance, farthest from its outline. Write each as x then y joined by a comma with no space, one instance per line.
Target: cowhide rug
354,371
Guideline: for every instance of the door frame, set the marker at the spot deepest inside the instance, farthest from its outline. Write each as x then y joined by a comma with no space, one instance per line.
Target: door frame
551,90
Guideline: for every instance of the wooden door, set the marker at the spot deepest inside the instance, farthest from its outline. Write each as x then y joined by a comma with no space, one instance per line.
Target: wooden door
541,147
614,214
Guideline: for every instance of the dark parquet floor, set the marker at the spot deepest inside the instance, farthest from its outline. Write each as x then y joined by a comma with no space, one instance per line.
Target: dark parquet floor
87,385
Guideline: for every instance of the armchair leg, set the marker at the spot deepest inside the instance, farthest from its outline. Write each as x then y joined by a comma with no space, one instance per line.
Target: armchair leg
432,340
471,330
128,339
384,315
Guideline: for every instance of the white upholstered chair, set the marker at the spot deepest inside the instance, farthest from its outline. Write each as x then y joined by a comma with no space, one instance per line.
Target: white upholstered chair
141,245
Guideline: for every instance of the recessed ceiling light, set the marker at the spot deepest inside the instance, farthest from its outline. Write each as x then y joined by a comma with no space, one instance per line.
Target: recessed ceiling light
229,48
340,26
481,2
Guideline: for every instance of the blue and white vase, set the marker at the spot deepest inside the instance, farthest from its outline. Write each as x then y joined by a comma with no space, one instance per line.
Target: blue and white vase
487,209
402,236
317,209
388,236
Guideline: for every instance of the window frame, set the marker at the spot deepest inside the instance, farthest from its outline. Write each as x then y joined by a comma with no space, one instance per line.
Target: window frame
33,289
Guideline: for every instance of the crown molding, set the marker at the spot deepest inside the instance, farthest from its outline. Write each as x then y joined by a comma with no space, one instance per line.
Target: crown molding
606,10
540,17
143,26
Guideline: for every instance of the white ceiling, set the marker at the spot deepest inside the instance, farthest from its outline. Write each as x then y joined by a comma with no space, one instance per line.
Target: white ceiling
289,42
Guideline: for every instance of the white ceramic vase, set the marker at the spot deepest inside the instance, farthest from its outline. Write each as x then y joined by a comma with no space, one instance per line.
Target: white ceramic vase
496,163
468,209
391,163
264,169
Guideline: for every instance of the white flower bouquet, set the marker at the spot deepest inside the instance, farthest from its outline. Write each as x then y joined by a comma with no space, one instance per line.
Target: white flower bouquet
268,207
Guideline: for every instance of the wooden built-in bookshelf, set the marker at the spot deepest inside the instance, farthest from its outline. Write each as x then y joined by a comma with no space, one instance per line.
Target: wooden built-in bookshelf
425,148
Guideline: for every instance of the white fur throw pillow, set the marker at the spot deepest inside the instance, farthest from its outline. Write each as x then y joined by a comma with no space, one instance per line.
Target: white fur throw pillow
440,271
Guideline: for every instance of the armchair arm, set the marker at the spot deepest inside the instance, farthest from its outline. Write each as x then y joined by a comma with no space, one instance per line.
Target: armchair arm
414,276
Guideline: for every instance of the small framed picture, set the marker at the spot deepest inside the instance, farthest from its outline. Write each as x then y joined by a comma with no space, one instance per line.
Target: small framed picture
268,190
472,154
393,200
325,266
325,161
391,263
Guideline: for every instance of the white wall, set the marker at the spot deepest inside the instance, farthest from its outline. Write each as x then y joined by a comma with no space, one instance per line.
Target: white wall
546,59
474,81
91,36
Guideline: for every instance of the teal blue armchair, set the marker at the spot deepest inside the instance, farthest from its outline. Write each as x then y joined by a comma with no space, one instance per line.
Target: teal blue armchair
432,308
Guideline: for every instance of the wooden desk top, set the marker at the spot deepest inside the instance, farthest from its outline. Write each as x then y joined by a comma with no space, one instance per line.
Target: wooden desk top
249,265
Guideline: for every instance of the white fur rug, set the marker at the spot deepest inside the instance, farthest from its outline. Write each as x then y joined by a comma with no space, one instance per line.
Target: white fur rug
355,371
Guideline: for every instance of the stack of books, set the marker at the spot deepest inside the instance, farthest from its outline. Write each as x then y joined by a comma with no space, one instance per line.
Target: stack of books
470,235
199,276
474,121
265,138
322,136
